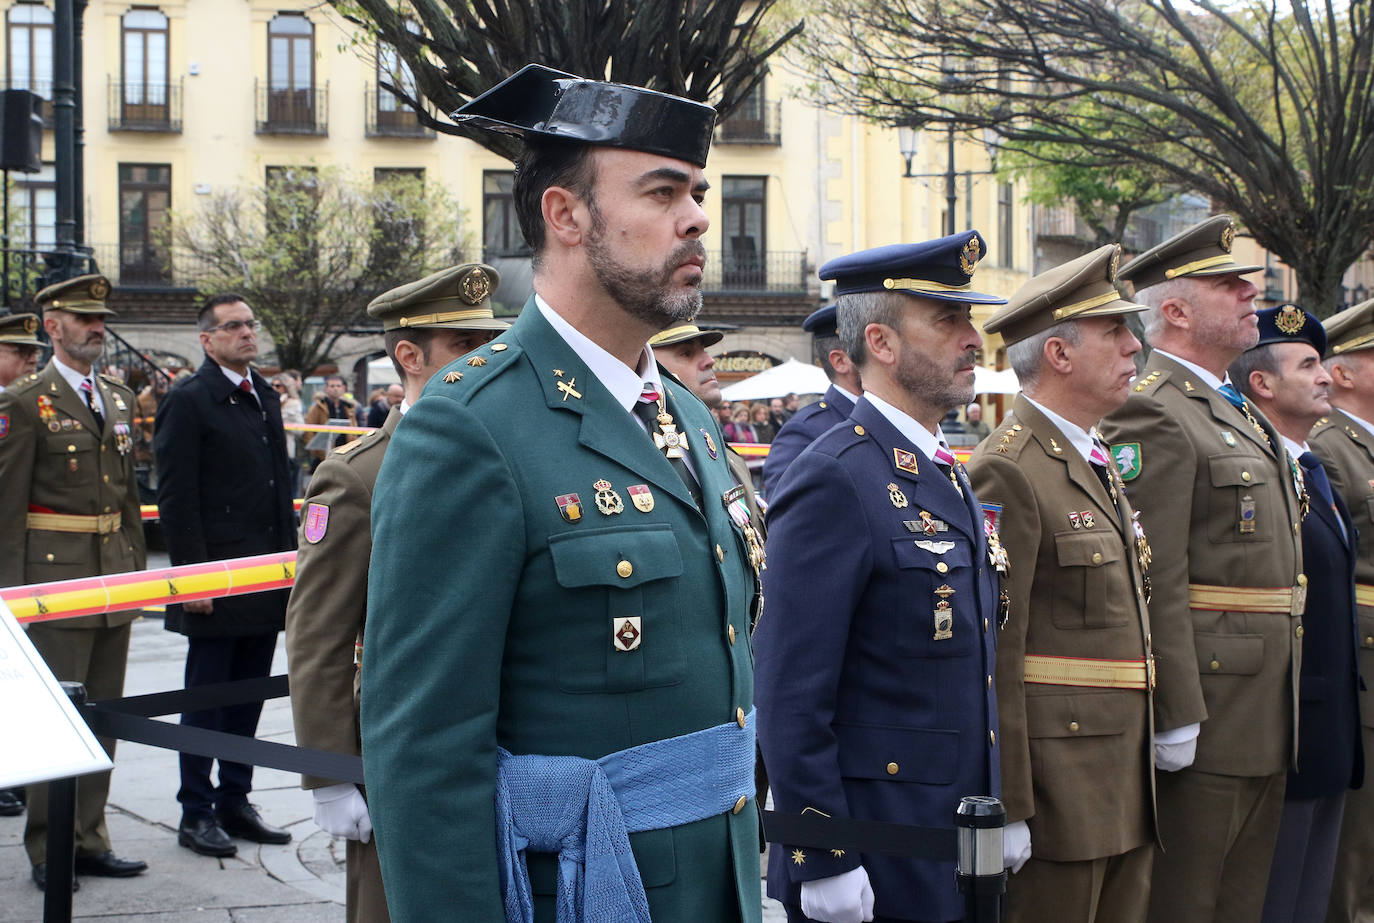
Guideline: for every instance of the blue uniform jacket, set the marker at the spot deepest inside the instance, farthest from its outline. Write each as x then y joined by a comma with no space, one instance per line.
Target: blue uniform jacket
1330,752
804,428
863,711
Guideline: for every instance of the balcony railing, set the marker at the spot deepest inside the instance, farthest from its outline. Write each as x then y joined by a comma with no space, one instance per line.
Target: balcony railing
145,106
143,266
752,123
400,121
773,272
284,111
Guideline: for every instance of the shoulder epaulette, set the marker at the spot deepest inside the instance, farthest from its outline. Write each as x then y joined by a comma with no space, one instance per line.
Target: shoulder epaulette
1007,438
1151,379
348,447
23,384
478,366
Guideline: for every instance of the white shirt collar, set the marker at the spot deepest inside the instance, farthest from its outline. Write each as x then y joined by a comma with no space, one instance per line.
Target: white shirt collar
624,383
917,434
74,378
237,380
1295,449
405,405
1207,377
1078,437
853,398
1368,427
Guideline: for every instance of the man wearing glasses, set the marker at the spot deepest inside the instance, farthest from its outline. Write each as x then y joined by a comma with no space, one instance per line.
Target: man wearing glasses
224,491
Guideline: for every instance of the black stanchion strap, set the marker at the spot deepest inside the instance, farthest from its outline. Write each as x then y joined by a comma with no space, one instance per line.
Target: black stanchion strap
867,836
108,722
201,698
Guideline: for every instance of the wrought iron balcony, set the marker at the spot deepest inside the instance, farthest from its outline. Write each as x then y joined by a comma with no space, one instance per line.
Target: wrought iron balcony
397,121
285,111
148,266
738,271
142,106
756,121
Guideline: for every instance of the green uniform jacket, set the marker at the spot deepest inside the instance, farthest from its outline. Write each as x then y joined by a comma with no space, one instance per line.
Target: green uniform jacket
1218,502
1346,450
53,460
328,606
1077,761
493,603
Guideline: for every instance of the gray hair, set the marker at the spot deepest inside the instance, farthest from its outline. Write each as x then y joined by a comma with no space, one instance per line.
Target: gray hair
1026,356
1259,359
1154,297
853,314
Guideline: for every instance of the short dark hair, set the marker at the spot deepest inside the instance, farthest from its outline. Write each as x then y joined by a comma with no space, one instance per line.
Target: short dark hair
820,353
206,316
1259,359
422,337
541,165
336,377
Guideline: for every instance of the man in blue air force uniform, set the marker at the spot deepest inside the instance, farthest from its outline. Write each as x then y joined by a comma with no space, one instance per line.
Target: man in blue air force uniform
875,654
562,567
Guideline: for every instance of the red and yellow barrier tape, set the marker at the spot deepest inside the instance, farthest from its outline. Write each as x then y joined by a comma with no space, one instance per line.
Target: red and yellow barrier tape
148,511
65,599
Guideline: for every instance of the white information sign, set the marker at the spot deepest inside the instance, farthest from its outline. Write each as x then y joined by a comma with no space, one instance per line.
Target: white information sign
44,736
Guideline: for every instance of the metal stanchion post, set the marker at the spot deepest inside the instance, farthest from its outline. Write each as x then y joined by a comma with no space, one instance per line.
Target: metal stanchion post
61,858
980,820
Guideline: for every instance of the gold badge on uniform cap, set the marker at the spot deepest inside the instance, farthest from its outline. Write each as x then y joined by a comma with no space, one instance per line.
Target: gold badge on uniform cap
31,325
99,289
1228,237
1290,319
626,632
453,377
608,502
894,493
1114,264
968,257
944,621
474,287
569,506
904,460
641,497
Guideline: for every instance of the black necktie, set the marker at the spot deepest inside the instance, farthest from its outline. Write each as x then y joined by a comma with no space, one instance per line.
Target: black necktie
647,410
88,391
1318,481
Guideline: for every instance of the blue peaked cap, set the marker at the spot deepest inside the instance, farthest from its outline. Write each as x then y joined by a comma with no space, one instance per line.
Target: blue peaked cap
941,269
821,323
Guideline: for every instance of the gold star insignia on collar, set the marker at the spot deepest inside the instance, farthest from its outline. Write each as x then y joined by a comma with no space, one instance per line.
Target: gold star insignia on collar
557,373
798,856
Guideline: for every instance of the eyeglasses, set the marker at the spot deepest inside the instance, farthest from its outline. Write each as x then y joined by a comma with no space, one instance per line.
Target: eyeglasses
234,326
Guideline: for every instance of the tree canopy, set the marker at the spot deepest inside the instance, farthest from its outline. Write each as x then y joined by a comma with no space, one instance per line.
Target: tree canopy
1266,108
448,51
310,248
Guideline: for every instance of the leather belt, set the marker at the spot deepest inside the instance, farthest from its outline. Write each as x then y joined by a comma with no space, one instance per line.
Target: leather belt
103,524
1292,600
1364,594
1090,671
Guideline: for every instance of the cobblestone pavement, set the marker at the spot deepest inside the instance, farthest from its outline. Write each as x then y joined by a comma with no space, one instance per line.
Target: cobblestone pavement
301,882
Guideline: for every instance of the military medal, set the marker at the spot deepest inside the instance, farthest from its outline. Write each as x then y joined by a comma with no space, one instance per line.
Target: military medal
1142,547
1088,519
1247,515
992,512
119,402
45,411
997,555
54,426
641,497
668,438
904,460
944,621
569,507
67,425
930,525
608,502
123,442
1075,520
710,443
626,633
4,425
945,591
894,493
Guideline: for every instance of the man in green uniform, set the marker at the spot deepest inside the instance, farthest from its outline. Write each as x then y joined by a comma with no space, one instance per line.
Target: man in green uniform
558,674
1344,441
69,508
426,324
19,345
1074,668
1219,499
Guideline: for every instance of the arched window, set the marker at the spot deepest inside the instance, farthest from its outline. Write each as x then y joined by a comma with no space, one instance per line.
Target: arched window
144,94
29,36
291,70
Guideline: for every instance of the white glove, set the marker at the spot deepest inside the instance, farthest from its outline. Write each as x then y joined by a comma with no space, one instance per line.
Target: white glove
1016,846
341,811
846,898
1176,748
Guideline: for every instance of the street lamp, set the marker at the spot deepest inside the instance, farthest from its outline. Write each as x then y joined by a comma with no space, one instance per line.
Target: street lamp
908,142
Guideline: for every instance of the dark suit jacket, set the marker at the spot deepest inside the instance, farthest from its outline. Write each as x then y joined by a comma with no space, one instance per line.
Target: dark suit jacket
224,492
804,428
1330,755
866,708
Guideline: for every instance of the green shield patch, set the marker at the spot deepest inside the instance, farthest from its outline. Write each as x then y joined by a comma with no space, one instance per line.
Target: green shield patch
1128,460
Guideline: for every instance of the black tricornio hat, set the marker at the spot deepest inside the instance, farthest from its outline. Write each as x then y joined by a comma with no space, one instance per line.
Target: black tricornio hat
537,101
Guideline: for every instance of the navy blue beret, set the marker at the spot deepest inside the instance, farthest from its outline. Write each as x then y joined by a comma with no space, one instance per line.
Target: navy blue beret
941,269
1289,323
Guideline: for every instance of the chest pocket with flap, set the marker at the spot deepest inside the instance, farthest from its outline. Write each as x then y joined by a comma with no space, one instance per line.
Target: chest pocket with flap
618,575
1241,507
1088,588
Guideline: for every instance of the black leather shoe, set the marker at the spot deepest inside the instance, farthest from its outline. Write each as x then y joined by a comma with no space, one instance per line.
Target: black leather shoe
205,836
40,877
246,823
10,805
108,865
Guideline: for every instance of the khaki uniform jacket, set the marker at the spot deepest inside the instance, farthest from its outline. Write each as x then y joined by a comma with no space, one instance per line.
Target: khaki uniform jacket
1346,450
52,460
1077,761
1217,498
328,606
